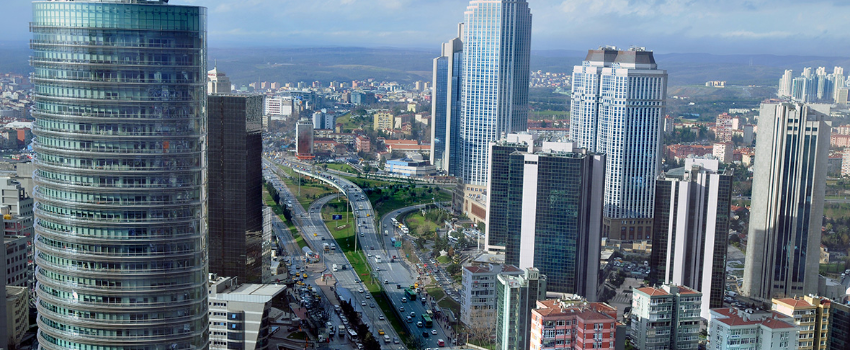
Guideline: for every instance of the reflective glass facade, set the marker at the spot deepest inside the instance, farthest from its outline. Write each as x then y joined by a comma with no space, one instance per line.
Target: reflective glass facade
120,209
494,83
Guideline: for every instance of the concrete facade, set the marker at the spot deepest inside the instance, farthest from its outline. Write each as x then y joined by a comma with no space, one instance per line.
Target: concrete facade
239,313
478,292
665,318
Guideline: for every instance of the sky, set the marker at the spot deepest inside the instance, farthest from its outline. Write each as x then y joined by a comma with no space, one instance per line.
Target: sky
781,27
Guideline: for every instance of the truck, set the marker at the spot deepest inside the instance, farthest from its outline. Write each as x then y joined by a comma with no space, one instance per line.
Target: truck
333,246
327,247
378,259
335,268
341,330
309,254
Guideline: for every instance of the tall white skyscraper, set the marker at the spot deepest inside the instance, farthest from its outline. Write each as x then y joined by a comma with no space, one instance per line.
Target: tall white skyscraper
445,105
618,101
785,83
787,204
494,84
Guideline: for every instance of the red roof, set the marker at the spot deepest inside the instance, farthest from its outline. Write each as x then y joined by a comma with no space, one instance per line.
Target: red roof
653,291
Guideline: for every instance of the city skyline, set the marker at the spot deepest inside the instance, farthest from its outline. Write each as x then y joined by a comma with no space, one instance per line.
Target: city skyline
724,27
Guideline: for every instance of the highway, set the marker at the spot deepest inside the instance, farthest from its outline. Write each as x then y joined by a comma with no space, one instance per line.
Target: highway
316,233
395,275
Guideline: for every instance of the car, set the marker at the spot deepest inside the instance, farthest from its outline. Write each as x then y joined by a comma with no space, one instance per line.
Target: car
441,342
425,335
401,309
409,320
434,331
381,317
362,303
386,281
360,290
371,248
403,300
372,305
395,341
412,314
368,296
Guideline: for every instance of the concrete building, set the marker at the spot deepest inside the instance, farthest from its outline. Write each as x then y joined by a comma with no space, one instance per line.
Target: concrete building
749,134
573,324
363,144
304,139
323,119
545,204
516,296
18,266
735,329
235,187
478,292
409,167
360,98
217,82
665,318
495,79
787,205
278,105
120,174
722,151
691,228
724,128
239,313
17,320
811,315
4,314
13,195
383,120
630,137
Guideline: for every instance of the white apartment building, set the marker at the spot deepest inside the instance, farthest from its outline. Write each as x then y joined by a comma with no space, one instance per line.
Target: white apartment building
478,291
732,329
665,318
239,313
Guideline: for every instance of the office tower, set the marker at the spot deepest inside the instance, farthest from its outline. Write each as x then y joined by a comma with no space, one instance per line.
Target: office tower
785,84
494,82
618,102
246,307
234,186
839,324
787,205
546,206
574,324
665,318
322,119
119,99
734,329
691,228
811,314
217,82
445,105
516,296
838,81
304,139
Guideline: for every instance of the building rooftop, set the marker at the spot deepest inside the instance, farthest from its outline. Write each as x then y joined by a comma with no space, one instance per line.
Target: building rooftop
736,317
652,291
794,303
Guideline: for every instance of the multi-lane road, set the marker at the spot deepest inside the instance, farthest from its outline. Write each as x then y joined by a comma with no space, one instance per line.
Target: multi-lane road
393,275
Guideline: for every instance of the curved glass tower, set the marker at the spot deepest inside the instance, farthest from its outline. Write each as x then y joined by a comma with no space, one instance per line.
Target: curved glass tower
119,137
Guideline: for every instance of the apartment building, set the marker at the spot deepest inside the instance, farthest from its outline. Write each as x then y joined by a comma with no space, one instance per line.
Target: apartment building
665,318
239,313
478,292
811,314
732,329
573,324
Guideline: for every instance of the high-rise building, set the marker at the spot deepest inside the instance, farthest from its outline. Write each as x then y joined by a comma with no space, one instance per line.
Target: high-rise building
839,326
119,99
691,227
618,103
323,119
494,83
234,186
811,314
575,325
217,82
547,208
4,313
724,128
786,213
445,105
383,120
304,139
785,83
17,320
478,293
516,296
665,318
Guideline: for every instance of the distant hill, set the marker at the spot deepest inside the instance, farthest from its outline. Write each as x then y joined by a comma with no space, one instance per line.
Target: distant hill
245,65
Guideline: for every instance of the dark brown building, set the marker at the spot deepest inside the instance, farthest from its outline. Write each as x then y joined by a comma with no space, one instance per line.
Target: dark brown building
234,168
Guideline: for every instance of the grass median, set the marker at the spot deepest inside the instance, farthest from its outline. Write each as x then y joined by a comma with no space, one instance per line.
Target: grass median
267,198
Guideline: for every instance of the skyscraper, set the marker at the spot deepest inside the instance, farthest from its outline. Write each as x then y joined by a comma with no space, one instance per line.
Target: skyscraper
786,213
494,83
618,102
217,82
785,83
234,178
546,206
445,105
691,227
119,129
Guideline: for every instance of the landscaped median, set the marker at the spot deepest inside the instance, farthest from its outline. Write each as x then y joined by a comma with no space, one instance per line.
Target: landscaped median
279,212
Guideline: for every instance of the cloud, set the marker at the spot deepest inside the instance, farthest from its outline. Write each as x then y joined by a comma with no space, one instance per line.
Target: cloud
745,34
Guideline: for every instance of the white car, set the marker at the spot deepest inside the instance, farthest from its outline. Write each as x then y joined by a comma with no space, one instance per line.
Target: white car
434,331
381,317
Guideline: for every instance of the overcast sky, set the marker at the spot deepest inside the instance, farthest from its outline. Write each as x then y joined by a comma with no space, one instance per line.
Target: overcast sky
783,27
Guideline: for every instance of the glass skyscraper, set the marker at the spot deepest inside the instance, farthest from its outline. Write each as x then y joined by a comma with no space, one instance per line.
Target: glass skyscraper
445,105
618,100
494,83
120,210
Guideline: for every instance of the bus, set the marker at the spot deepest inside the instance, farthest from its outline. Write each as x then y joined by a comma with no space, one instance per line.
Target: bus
410,294
427,321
